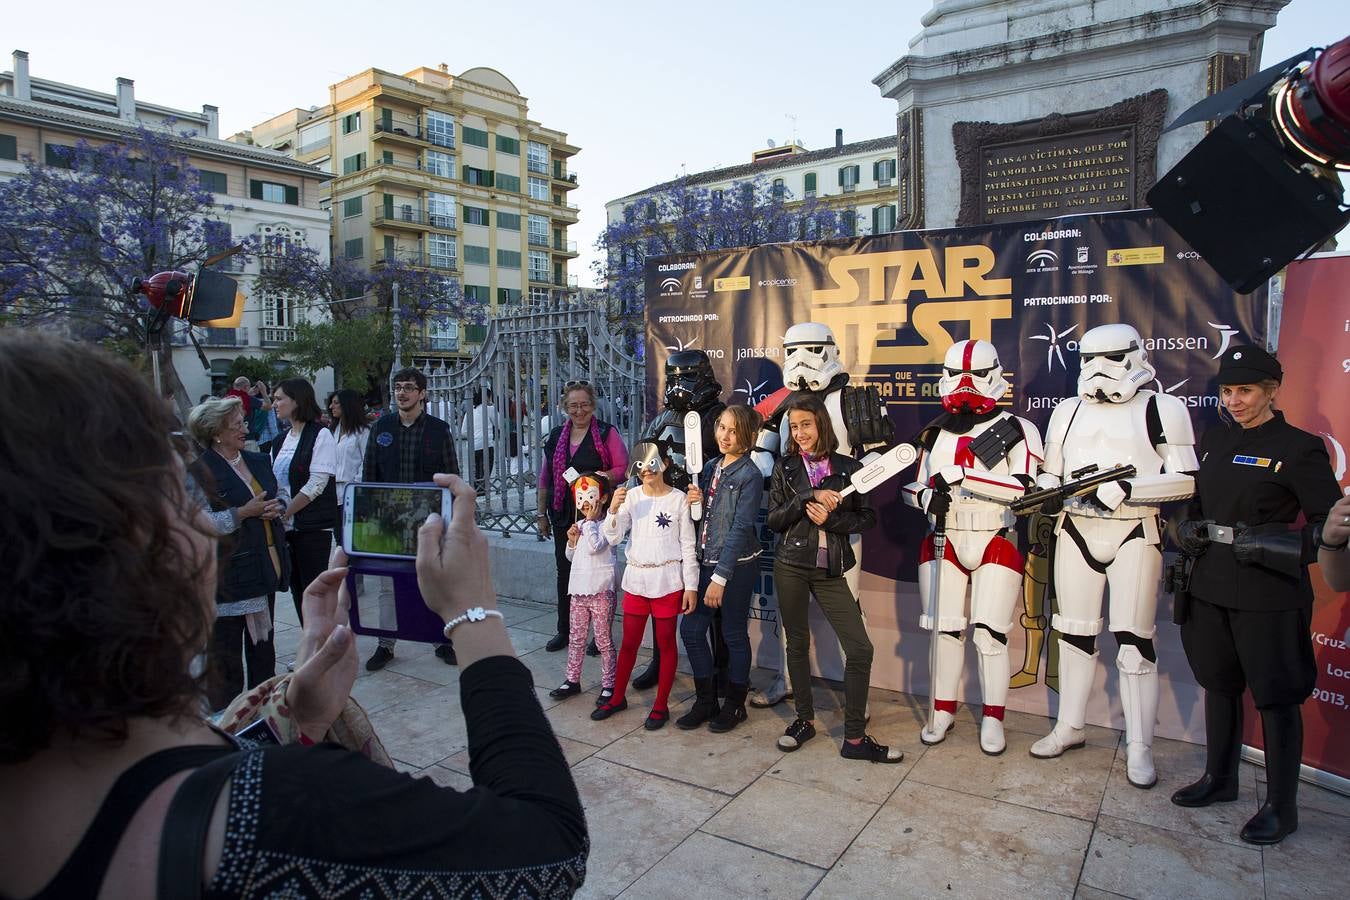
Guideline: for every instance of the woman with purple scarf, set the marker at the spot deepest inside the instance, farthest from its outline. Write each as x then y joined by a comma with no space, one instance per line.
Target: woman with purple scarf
583,444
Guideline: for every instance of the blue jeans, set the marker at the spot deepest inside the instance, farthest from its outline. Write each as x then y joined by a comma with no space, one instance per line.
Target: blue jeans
735,623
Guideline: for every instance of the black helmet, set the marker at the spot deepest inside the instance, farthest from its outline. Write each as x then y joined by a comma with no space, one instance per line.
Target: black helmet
690,383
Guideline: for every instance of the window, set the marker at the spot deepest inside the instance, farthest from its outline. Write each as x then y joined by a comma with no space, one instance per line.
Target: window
217,236
848,221
442,334
717,196
848,178
435,162
506,182
441,251
271,192
351,123
475,334
508,145
508,221
387,157
810,184
9,146
778,189
351,207
538,296
440,210
538,265
312,137
355,248
508,295
211,181
538,188
440,128
883,219
474,215
59,155
480,177
536,157
539,230
353,164
475,136
475,293
883,170
481,256
508,259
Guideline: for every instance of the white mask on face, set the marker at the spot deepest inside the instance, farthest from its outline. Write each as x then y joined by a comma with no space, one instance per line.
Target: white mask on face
1114,364
810,357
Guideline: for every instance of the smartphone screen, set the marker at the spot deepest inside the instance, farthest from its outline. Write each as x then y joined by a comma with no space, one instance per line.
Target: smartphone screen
383,519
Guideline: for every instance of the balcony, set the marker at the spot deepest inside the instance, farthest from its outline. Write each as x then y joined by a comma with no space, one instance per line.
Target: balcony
400,131
276,337
408,216
535,167
569,281
538,240
313,146
418,259
565,179
540,276
567,248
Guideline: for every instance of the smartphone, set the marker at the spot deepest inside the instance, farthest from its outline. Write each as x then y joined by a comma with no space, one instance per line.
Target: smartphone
382,520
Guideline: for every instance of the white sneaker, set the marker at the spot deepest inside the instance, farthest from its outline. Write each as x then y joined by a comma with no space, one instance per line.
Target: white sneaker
935,732
1060,738
992,742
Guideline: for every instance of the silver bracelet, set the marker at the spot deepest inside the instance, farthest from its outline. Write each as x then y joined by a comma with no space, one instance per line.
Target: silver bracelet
473,614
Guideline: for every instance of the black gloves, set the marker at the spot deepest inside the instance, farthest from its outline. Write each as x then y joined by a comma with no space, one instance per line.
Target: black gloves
1193,536
1052,507
939,501
1279,550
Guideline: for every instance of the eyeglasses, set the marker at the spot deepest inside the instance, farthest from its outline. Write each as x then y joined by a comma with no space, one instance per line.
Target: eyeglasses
578,407
406,389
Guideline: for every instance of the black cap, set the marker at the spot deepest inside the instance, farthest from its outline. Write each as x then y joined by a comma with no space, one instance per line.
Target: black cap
1248,364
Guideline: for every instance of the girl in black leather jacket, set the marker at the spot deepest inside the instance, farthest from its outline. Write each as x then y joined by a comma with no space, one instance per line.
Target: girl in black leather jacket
814,520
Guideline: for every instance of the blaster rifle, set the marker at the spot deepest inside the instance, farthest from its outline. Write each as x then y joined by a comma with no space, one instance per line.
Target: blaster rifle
1085,481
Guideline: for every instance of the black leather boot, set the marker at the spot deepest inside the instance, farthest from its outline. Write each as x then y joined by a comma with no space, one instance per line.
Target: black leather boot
704,708
1223,749
1282,729
647,678
733,709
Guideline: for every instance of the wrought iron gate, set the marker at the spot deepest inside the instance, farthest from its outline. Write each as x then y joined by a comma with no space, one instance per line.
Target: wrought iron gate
517,380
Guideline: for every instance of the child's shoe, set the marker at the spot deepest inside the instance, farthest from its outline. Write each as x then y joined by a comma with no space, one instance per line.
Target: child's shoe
605,695
565,690
609,708
656,719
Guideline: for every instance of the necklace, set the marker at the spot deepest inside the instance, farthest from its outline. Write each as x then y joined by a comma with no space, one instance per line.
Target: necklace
235,461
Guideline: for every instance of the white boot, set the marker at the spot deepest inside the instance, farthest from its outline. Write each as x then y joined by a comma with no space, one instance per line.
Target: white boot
1076,672
993,668
1139,702
946,680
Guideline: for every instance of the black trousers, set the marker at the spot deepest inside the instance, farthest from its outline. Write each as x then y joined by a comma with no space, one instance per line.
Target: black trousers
564,573
225,663
1269,652
309,551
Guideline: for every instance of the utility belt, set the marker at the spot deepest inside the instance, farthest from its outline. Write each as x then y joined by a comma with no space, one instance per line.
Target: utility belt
1225,534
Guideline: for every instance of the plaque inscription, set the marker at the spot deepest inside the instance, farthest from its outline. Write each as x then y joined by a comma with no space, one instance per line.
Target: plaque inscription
1086,171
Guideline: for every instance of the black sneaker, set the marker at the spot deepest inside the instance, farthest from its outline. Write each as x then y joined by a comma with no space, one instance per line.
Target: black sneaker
446,654
379,659
556,643
565,690
871,751
798,733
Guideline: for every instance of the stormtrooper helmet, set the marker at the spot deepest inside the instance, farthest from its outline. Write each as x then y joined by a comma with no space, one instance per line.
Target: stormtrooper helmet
810,357
690,383
1114,364
589,492
972,378
647,456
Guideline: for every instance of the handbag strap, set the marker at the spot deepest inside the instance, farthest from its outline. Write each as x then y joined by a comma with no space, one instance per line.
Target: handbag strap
185,825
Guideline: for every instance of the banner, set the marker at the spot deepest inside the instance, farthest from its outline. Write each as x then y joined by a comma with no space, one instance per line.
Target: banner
1314,347
896,302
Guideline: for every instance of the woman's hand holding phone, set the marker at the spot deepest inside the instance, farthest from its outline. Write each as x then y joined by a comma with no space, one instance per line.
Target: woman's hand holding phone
325,661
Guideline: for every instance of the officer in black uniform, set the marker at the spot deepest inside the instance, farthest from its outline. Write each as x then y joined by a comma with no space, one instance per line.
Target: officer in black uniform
690,385
1247,624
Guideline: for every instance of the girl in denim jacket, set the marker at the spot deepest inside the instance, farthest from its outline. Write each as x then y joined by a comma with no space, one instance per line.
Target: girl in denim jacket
731,488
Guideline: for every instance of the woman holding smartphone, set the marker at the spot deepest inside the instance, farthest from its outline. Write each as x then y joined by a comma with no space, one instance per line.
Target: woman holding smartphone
305,463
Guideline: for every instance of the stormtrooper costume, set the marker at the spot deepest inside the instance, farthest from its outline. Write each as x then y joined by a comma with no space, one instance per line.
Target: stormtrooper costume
690,384
1111,536
975,460
811,364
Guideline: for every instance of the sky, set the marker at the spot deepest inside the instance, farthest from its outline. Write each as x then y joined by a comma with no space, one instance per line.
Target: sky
647,91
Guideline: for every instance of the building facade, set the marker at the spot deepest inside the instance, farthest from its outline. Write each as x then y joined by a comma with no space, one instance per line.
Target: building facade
443,172
257,192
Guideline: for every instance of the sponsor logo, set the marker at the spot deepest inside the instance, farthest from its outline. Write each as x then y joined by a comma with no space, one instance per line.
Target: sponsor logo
1187,254
1135,256
675,267
698,282
671,287
1192,401
754,393
759,353
1225,335
681,344
1081,255
738,283
1042,261
1053,351
1052,235
776,282
1082,262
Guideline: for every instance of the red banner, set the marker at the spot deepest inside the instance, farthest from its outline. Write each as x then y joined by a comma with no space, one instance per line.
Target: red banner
1314,348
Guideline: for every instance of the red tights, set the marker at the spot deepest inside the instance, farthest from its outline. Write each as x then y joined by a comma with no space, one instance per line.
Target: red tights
634,624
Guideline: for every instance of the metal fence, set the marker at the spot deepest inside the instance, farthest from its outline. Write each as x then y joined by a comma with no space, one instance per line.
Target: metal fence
502,404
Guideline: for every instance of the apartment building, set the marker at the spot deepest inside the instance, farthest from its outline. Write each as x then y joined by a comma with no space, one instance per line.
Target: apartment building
444,172
257,191
856,179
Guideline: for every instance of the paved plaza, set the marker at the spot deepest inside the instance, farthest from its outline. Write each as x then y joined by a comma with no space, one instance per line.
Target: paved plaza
694,815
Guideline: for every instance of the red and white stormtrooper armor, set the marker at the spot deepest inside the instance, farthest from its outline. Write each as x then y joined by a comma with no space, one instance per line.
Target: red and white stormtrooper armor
975,461
1110,537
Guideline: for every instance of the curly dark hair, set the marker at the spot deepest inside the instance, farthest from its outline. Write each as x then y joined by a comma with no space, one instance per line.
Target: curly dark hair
103,592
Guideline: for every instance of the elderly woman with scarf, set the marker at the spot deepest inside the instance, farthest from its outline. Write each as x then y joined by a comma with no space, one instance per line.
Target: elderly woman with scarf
582,444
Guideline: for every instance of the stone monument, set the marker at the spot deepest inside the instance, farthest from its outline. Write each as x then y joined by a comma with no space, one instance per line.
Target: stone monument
1054,107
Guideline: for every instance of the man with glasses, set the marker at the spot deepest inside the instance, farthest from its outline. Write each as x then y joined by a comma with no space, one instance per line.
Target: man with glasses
406,446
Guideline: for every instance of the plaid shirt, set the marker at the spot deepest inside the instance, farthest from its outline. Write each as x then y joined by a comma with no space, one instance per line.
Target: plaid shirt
409,440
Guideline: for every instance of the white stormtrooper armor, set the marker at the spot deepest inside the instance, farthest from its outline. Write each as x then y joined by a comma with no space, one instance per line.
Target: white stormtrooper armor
982,460
810,357
1110,537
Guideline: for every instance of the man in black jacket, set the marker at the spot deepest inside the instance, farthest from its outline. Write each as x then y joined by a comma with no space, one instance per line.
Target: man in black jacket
405,447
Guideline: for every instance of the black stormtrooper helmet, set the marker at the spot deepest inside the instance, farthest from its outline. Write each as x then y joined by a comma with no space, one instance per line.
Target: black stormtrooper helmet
690,383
